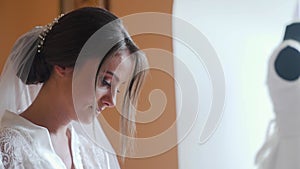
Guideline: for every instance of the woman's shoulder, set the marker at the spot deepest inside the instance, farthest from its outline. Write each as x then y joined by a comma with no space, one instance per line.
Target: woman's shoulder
13,145
15,132
12,130
12,139
10,133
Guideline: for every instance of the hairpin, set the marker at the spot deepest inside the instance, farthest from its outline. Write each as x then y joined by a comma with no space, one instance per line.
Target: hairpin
45,31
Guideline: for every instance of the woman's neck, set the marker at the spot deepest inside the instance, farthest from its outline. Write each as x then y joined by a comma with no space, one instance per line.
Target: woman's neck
49,111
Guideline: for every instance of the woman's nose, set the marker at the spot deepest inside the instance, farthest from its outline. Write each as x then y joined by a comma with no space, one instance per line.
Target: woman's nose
109,99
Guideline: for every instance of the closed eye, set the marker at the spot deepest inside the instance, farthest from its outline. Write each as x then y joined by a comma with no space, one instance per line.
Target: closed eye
106,83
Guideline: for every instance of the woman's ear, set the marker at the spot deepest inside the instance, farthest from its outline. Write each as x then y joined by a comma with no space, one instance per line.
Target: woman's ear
62,71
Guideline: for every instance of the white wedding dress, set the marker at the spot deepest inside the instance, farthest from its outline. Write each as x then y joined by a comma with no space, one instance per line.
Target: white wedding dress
25,145
281,149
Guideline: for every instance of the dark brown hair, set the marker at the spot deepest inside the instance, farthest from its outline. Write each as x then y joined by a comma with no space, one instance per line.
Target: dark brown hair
65,40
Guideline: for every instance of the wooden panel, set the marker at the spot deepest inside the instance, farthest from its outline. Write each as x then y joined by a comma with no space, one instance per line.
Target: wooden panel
18,17
69,5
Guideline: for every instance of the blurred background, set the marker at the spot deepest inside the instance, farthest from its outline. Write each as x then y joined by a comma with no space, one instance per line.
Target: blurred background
243,34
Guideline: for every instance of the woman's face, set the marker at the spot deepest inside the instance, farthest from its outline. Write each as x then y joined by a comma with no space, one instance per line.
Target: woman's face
114,73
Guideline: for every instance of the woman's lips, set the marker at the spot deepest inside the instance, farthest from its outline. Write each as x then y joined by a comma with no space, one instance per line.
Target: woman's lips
99,110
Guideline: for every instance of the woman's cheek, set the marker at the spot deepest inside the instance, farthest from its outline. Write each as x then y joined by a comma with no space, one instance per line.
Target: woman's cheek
100,92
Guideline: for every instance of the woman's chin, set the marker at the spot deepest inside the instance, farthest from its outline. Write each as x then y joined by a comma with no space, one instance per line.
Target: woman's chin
87,118
87,114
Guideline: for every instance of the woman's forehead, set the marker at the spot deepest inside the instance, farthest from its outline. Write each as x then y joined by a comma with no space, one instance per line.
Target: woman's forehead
119,65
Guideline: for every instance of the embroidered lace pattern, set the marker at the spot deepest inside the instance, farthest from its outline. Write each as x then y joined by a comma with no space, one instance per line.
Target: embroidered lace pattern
16,149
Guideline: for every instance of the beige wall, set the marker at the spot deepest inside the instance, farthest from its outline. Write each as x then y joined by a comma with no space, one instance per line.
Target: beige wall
18,17
156,80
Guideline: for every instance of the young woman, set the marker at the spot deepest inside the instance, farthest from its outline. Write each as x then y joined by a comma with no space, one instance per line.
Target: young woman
56,81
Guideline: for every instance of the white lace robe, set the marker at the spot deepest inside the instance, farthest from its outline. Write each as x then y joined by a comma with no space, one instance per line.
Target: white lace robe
24,145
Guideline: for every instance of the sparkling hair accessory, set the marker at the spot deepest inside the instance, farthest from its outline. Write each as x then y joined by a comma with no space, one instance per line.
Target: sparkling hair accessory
45,31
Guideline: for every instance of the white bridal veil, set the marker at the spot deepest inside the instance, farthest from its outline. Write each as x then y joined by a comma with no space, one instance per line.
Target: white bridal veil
15,95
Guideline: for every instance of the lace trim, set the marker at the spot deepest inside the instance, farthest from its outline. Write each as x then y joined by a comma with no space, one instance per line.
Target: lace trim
18,152
13,146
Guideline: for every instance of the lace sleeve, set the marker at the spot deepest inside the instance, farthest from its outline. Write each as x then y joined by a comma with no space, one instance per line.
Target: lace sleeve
1,165
12,146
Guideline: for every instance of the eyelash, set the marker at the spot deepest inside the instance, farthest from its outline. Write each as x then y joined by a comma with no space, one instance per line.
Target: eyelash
105,83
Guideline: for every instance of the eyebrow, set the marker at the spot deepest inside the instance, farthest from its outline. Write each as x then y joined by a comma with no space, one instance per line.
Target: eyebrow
114,75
